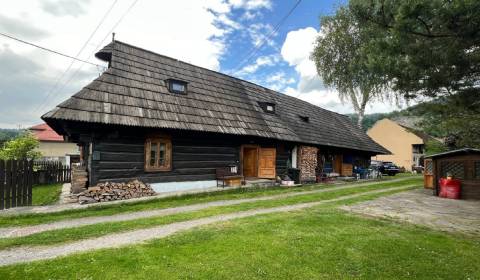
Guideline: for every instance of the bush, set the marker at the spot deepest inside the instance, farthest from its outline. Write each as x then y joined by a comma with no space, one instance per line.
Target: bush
23,146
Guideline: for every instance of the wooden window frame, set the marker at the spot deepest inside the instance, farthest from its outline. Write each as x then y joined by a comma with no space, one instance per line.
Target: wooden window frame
168,154
170,83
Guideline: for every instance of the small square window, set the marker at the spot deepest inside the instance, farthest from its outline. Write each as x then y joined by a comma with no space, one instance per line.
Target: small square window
176,86
267,107
305,118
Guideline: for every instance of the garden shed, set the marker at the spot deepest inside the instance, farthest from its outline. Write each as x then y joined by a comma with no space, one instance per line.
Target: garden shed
463,164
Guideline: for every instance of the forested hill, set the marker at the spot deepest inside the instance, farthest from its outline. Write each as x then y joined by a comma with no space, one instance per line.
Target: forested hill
8,134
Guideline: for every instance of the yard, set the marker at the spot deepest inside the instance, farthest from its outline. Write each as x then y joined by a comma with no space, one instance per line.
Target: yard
321,241
46,194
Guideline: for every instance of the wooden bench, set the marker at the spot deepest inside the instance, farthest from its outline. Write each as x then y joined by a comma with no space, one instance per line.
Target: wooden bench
228,176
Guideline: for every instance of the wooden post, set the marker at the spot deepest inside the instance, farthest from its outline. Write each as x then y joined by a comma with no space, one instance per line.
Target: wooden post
30,182
20,180
24,196
2,185
14,183
8,183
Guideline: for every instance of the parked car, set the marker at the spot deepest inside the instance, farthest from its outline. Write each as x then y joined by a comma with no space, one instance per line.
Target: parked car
389,168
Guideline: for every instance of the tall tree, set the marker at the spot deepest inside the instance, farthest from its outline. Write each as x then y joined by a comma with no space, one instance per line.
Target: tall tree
429,48
423,47
338,55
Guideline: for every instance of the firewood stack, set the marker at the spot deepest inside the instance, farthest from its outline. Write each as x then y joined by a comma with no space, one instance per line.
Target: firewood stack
115,191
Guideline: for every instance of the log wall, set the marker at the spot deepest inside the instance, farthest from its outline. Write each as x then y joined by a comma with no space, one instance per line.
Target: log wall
194,156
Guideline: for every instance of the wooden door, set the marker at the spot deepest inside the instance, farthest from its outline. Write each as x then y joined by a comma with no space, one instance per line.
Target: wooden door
428,174
250,162
266,163
338,164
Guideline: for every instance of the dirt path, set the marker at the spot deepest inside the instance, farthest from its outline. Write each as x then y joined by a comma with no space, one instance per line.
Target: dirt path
75,206
27,254
29,230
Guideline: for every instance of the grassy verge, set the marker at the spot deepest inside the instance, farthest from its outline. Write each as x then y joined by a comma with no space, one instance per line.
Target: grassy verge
104,210
46,194
90,231
317,243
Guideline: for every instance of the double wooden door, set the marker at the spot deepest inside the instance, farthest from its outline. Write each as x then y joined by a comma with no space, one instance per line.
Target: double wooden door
259,162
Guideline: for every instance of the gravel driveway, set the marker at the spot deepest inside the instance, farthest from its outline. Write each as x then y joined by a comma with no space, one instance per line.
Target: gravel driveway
421,208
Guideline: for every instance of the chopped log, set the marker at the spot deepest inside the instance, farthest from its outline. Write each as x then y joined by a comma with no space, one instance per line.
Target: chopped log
115,191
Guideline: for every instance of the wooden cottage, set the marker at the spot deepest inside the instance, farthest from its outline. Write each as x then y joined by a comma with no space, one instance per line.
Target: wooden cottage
165,121
463,164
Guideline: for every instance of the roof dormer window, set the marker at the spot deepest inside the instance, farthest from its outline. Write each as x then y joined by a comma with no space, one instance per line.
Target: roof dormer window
305,118
177,86
267,107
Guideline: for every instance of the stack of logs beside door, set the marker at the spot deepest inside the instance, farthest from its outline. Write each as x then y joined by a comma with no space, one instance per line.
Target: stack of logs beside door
307,163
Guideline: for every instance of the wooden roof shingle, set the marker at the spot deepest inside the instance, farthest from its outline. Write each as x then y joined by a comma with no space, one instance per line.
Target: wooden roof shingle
133,92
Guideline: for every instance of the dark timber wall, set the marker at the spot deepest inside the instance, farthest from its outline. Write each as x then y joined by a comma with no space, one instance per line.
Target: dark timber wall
119,156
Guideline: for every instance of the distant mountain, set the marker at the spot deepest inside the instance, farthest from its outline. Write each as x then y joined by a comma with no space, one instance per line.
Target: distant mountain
409,114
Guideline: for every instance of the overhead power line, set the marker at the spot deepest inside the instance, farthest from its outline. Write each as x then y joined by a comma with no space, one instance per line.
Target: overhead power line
100,44
54,88
260,44
48,50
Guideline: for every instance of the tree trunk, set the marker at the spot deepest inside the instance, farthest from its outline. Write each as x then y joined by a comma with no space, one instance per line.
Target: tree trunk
360,119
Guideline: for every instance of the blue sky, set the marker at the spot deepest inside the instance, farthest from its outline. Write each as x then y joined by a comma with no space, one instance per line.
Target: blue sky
216,34
306,14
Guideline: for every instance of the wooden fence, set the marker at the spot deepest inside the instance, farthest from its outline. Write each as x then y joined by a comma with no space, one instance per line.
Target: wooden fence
18,176
50,172
16,180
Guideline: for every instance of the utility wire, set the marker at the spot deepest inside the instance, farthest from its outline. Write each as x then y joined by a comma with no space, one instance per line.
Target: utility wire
48,50
99,44
260,44
55,86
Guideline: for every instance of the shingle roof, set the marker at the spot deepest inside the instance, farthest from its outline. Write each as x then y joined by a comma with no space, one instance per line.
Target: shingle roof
455,152
133,92
43,132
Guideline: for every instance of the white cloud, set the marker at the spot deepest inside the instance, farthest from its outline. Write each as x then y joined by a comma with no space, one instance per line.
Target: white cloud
259,34
251,4
267,60
296,52
279,81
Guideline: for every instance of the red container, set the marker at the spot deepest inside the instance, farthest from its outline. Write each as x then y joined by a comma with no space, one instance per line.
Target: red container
449,188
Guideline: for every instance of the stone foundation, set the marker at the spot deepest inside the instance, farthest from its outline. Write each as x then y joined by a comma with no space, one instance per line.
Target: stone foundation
307,163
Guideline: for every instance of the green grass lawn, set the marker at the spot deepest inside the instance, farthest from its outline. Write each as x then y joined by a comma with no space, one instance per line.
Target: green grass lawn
102,210
46,194
317,243
90,231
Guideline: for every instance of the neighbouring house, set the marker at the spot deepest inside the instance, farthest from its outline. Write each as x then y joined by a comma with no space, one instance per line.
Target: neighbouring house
52,146
406,144
171,123
462,164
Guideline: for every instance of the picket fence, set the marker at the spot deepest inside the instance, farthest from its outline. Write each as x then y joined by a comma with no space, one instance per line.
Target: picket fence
18,176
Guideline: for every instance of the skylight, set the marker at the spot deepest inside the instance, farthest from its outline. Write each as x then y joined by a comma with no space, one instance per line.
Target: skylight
267,107
177,86
305,118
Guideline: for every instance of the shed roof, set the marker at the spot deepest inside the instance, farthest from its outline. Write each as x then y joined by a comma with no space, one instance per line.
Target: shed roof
455,152
133,92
